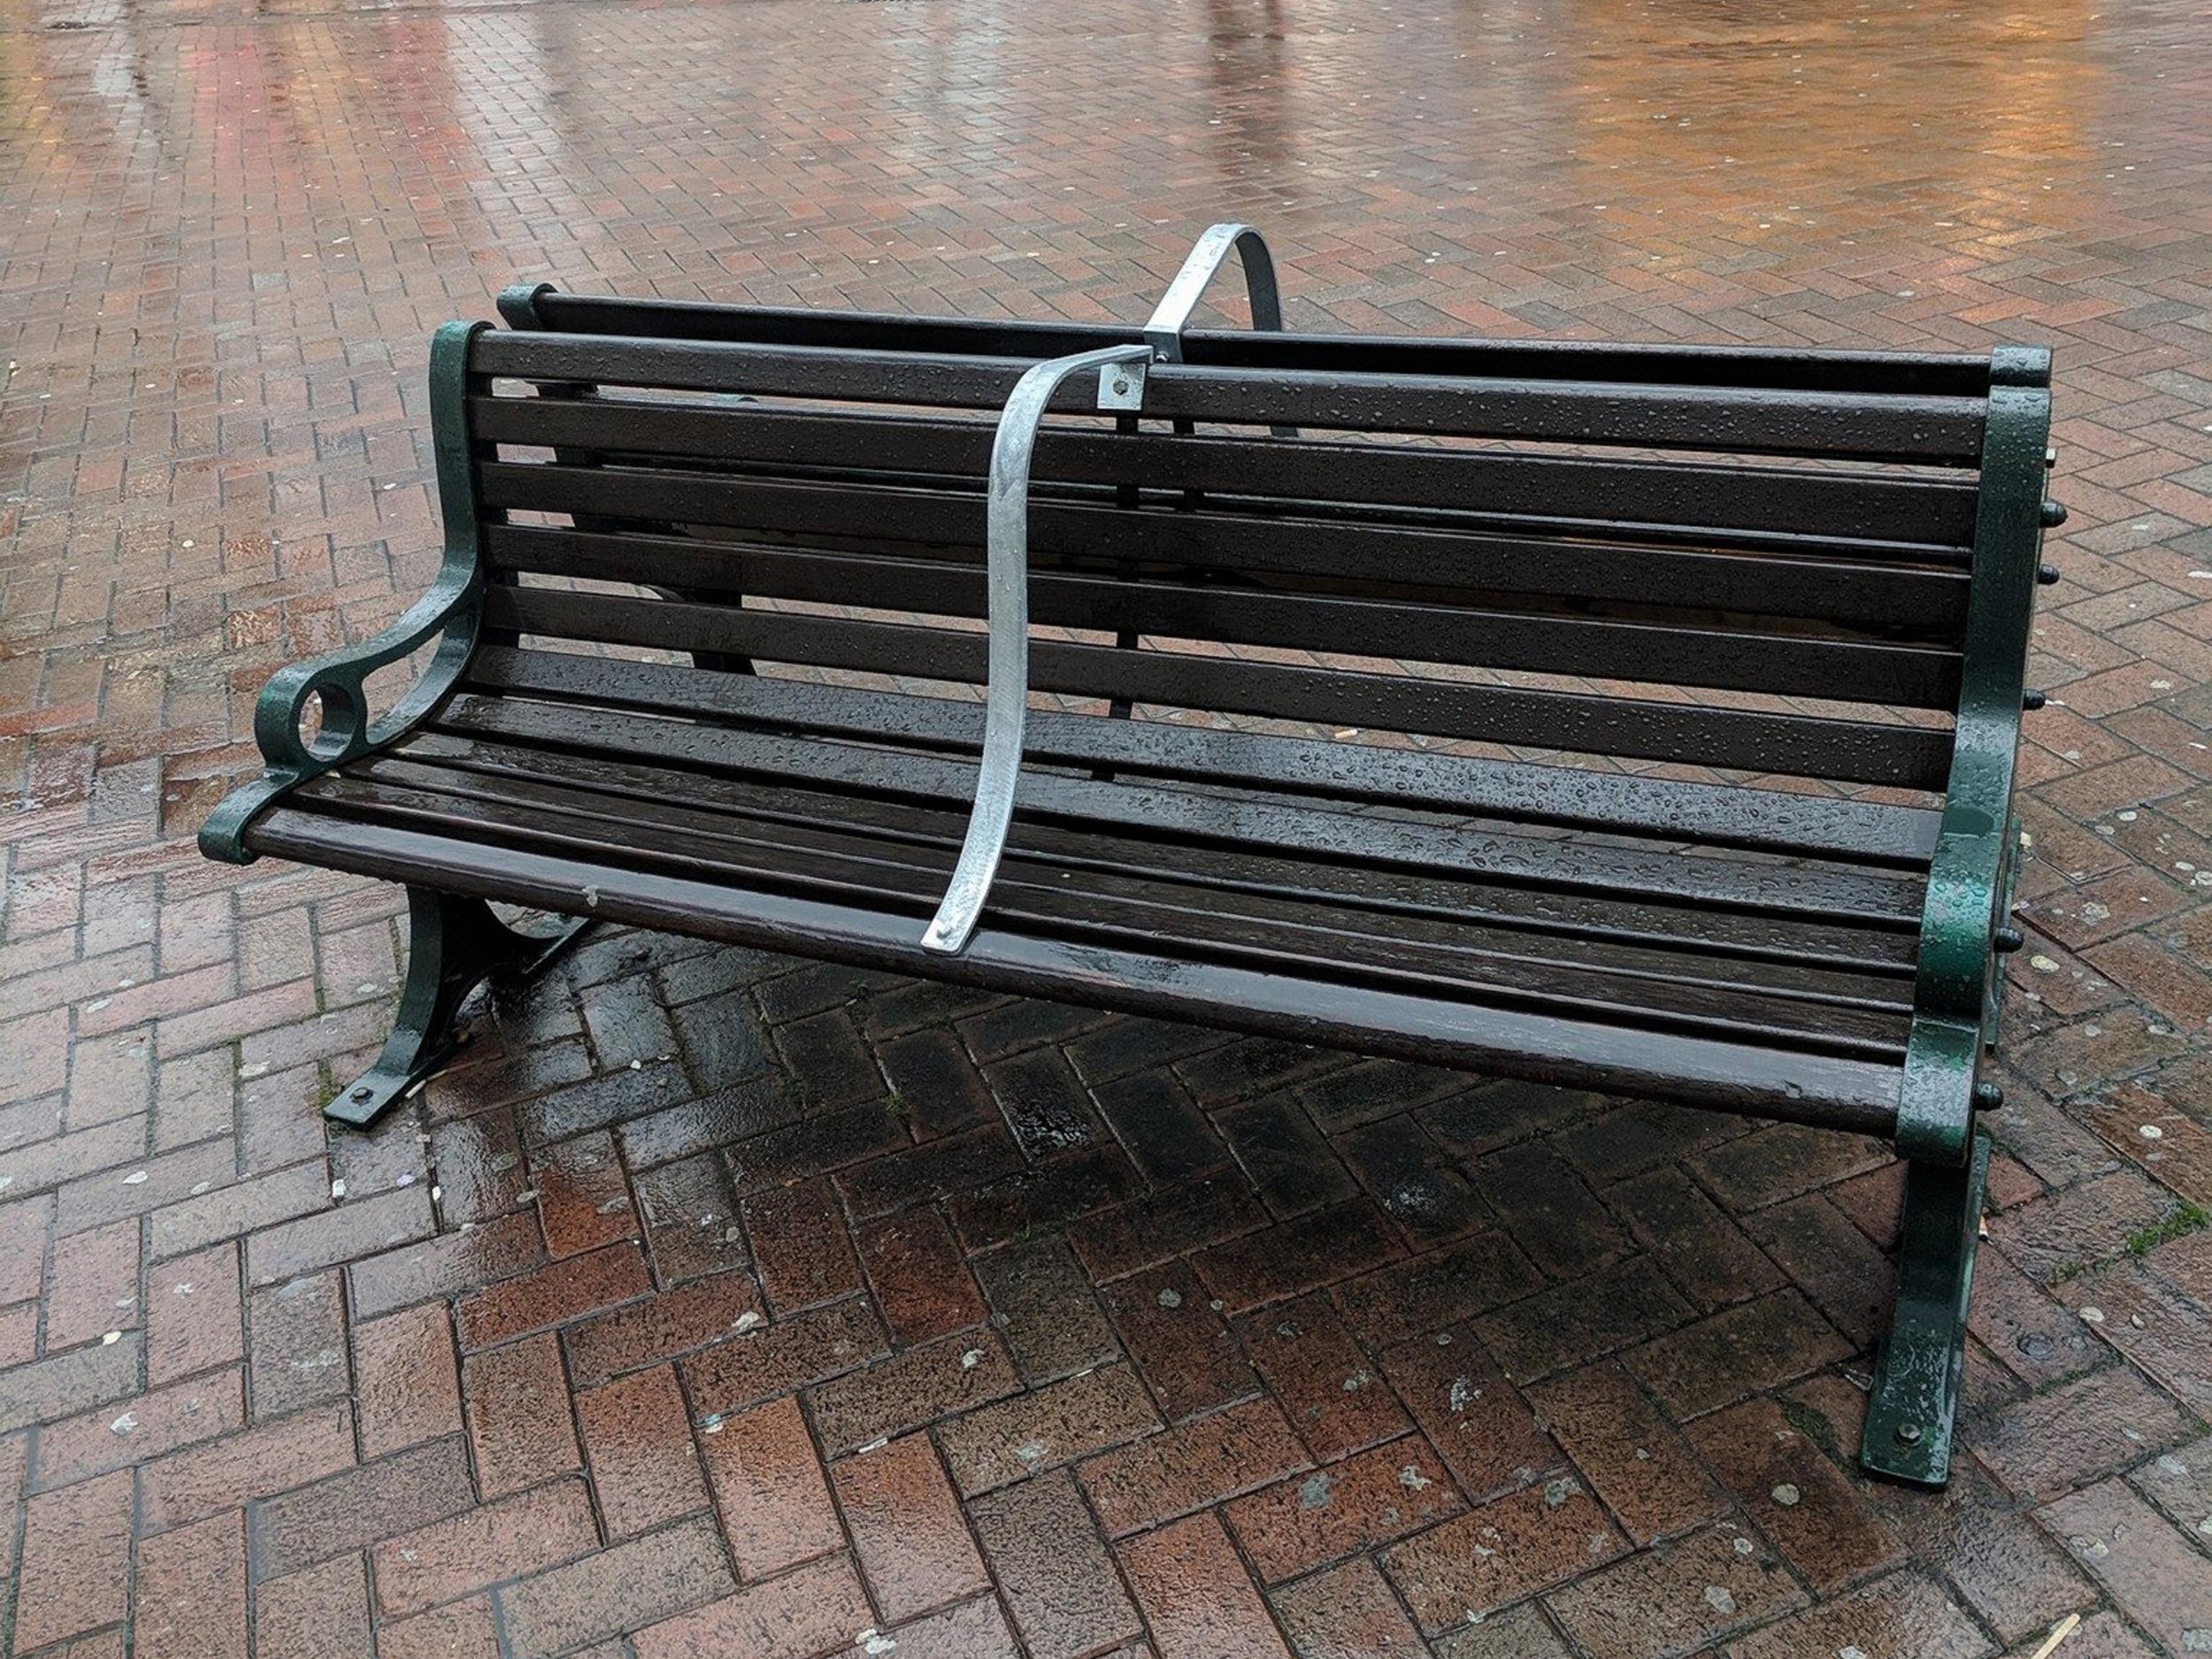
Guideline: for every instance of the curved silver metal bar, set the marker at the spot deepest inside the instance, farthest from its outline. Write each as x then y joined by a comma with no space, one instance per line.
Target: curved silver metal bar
1006,699
1164,331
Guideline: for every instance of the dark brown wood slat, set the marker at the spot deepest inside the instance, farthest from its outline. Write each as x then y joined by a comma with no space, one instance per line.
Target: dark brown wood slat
1956,375
1757,421
1843,897
1843,670
1895,512
911,851
1366,560
1850,751
1660,809
1811,953
1804,1088
682,841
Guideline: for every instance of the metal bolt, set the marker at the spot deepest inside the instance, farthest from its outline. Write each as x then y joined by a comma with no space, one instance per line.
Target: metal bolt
2053,514
2033,700
1908,1434
1121,386
364,1092
2046,575
2008,940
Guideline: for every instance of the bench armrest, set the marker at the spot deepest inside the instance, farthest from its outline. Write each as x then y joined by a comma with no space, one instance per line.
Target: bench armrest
1969,879
447,614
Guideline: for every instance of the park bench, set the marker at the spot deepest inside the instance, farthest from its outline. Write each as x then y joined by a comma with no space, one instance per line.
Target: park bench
1635,719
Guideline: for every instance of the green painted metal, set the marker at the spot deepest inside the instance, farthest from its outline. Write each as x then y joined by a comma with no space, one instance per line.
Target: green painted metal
1975,843
448,613
1911,1413
453,946
2016,850
517,303
1914,1409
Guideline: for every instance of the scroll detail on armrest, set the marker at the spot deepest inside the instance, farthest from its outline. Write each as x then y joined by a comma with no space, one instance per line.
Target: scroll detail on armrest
447,614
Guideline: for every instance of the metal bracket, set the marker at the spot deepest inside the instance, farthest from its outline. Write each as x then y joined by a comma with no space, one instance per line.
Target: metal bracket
1121,388
1006,697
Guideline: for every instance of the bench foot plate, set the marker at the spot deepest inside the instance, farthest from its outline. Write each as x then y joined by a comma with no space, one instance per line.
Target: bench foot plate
453,946
1910,1417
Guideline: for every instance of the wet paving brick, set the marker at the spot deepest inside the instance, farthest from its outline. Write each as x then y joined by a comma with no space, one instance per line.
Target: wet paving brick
644,1329
909,1532
1051,1568
1680,1597
1637,1461
1502,1552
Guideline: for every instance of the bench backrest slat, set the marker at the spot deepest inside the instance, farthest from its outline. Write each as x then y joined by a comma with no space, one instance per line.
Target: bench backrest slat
1954,374
1915,604
1858,751
1455,635
1937,431
1767,577
1918,513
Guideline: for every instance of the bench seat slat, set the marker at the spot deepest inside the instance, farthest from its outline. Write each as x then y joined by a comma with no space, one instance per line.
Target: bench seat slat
1276,935
1858,897
1758,421
1662,809
1815,1088
1858,751
1680,497
910,849
1460,898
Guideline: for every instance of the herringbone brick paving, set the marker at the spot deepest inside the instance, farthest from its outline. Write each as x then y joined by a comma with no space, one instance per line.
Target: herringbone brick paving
722,1305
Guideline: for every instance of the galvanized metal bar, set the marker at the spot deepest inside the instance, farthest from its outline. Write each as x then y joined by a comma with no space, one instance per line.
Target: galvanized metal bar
1163,332
1006,697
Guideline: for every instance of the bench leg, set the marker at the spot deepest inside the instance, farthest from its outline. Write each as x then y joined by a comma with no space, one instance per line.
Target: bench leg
453,946
1910,1415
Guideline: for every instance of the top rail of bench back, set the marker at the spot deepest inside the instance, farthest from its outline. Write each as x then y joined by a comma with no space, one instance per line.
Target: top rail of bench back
1792,369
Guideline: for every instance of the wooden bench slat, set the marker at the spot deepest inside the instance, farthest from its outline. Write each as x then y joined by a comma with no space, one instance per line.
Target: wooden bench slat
1853,751
1923,605
1681,498
1412,628
1822,893
1458,899
1822,1089
1760,421
921,838
1277,936
1665,810
1804,368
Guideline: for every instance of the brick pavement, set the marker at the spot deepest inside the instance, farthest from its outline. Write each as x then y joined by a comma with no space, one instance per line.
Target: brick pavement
724,1305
